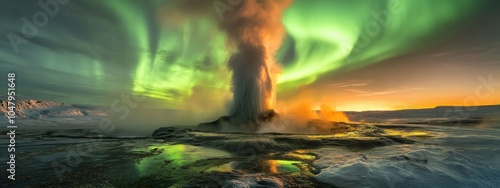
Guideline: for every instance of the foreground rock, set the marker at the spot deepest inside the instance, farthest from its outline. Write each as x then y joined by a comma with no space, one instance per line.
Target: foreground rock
352,136
233,124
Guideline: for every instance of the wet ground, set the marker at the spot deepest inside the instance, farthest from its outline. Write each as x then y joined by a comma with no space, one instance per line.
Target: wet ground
364,155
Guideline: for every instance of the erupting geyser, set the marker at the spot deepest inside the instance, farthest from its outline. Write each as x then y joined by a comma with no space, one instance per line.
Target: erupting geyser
252,82
255,30
255,27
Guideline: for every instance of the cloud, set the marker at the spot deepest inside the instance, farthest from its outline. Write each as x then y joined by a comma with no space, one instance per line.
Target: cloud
387,92
350,83
367,92
441,54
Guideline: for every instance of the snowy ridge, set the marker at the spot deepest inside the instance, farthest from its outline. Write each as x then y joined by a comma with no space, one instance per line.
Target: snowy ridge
36,109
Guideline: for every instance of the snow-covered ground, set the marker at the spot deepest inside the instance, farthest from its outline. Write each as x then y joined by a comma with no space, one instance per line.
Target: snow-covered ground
452,157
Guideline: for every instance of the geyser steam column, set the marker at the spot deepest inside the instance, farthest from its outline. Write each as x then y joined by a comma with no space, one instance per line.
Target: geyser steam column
253,90
255,27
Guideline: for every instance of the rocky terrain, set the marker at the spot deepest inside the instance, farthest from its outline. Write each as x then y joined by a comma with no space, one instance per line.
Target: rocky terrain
407,148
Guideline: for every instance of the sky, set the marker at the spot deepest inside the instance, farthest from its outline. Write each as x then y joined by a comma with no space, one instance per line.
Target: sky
351,55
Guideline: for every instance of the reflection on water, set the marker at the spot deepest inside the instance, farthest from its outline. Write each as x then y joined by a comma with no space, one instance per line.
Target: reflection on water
168,162
405,134
174,156
281,166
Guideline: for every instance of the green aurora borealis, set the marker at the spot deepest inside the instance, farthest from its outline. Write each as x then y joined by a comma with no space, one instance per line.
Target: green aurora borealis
122,45
322,42
328,33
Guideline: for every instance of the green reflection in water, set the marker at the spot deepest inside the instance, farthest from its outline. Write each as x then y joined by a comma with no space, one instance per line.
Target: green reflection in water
174,156
281,166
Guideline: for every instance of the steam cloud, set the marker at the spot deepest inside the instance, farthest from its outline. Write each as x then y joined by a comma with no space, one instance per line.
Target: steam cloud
255,28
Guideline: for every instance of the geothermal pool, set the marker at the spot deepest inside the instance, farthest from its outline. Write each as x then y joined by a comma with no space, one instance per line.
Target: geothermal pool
368,155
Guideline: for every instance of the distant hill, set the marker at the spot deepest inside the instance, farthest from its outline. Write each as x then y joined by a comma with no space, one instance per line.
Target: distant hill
439,112
37,109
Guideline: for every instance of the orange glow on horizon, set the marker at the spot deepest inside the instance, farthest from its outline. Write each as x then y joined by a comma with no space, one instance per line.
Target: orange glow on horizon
304,111
341,101
390,105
